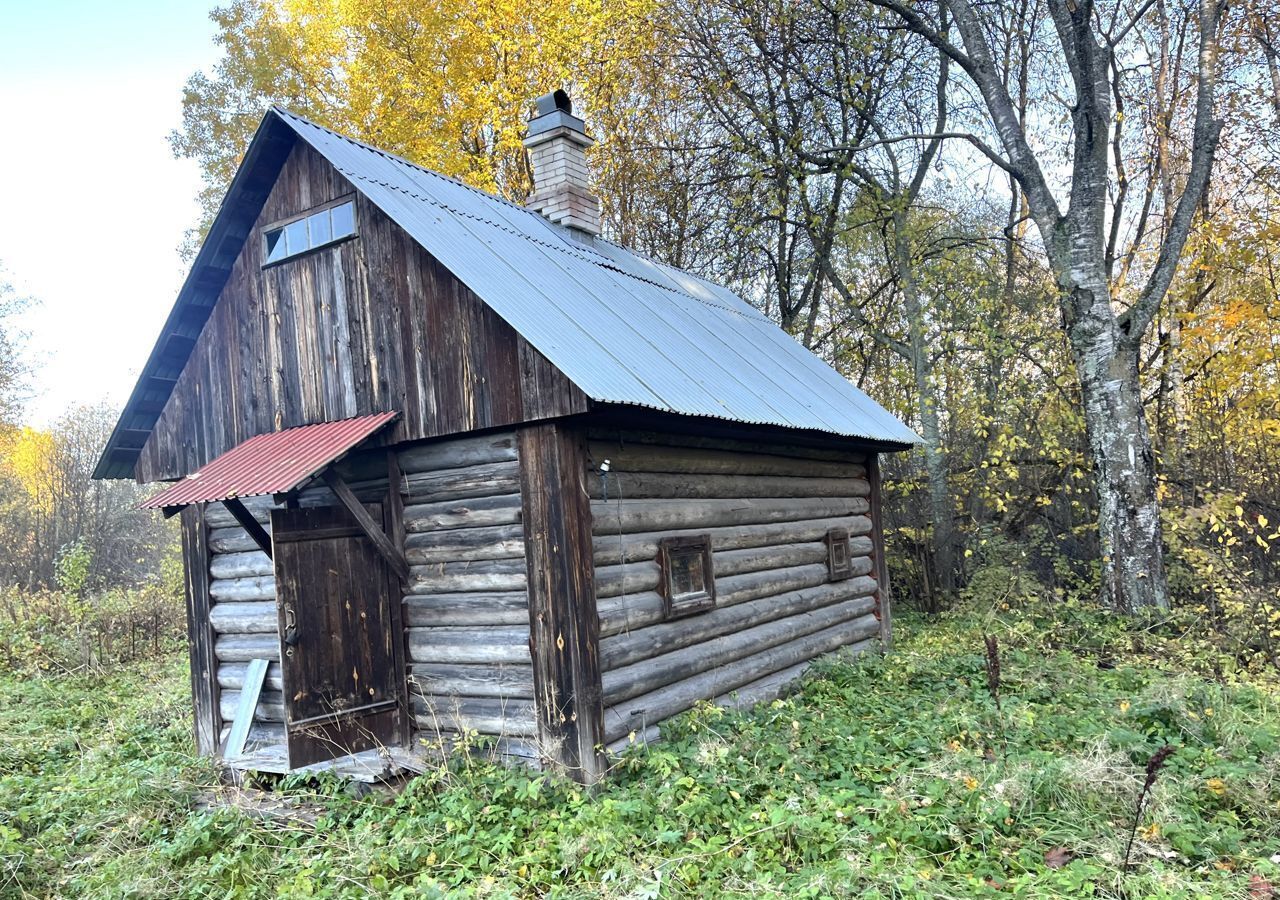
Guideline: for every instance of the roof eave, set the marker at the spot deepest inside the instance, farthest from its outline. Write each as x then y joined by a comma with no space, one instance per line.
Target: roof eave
625,414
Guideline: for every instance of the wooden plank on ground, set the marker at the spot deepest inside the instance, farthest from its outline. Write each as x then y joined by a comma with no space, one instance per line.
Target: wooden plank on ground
254,676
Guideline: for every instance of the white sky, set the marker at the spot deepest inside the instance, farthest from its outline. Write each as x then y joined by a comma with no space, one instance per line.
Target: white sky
94,205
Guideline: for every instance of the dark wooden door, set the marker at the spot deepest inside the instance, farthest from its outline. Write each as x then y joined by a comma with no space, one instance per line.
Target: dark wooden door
340,636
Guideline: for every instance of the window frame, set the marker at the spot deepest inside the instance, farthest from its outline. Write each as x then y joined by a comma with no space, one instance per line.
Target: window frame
678,606
834,538
281,224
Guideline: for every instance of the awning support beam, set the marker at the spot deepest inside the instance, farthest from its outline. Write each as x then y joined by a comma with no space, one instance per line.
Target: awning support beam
381,542
251,525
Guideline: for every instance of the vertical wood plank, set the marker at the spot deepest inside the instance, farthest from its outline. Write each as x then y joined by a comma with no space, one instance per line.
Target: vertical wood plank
398,634
564,626
200,636
254,676
366,325
883,606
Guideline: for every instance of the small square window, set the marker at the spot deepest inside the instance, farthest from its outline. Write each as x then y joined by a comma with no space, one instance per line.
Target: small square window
688,583
320,231
295,236
344,220
839,557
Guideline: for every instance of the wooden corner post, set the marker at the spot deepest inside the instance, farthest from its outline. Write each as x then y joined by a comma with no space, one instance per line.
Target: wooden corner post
204,666
564,630
881,572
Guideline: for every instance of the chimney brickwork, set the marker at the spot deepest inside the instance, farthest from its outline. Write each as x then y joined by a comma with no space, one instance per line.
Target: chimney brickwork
557,141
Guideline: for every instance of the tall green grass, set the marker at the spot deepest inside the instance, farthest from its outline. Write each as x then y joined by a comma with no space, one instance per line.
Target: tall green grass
895,777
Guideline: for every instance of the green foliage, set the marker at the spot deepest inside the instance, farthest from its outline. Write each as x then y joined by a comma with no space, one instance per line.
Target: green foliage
883,777
1223,565
58,526
71,629
72,567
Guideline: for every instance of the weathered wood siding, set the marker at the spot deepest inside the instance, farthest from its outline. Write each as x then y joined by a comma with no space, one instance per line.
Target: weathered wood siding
369,324
242,591
467,608
200,634
767,512
564,643
465,611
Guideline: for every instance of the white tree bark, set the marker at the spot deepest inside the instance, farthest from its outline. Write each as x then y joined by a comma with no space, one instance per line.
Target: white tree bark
1104,342
1129,532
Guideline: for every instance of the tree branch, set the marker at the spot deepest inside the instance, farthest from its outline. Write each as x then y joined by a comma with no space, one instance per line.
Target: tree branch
816,157
1206,133
1023,163
1112,42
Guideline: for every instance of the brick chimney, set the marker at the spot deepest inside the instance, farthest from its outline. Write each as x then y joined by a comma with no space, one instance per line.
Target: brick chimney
556,140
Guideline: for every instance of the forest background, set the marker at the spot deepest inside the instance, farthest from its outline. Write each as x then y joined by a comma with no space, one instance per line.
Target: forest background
1042,233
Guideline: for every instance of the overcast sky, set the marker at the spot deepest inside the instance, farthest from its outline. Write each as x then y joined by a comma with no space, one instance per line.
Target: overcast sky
94,205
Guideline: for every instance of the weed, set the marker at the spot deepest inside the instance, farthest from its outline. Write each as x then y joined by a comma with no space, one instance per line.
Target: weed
873,780
1154,765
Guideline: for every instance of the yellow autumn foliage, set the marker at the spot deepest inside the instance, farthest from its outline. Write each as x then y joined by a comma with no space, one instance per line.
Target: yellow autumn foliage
26,455
448,85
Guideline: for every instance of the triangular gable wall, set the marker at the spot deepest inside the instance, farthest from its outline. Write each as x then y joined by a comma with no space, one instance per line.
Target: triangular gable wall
370,324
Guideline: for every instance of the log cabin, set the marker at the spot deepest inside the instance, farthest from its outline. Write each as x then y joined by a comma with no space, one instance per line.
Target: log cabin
450,466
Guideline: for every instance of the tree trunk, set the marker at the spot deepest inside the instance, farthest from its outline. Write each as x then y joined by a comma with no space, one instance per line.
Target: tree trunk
935,460
1133,575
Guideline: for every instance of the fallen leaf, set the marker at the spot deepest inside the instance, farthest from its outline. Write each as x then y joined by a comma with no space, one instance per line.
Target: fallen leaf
1057,857
1260,888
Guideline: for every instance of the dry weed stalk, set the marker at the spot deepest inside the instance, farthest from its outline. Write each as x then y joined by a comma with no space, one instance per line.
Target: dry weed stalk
1154,765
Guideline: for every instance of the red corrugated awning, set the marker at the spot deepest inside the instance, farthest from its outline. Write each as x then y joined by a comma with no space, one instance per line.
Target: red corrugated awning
274,463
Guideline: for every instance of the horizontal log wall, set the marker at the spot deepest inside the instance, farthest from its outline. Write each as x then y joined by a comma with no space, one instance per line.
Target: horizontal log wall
466,611
242,590
767,513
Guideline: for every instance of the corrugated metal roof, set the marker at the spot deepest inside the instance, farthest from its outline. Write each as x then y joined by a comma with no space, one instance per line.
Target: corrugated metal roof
623,328
273,463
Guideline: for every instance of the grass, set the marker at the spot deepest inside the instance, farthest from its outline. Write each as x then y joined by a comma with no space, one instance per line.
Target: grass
894,777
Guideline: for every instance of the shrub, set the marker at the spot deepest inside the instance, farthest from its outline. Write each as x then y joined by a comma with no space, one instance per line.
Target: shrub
63,629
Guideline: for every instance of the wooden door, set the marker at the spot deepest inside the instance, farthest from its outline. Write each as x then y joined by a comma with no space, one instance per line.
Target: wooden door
340,636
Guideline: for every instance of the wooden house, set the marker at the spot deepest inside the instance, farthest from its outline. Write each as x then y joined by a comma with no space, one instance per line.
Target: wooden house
446,464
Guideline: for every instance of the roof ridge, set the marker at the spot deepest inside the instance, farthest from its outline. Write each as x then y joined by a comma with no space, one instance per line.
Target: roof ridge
564,247
395,157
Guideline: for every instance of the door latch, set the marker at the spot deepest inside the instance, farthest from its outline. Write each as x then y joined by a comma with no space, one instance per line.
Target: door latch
290,627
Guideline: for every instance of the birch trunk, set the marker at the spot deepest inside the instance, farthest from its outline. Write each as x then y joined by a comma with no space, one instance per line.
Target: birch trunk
1129,530
935,461
1104,342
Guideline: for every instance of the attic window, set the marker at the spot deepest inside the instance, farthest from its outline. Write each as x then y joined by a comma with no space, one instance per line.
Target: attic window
316,229
839,557
688,581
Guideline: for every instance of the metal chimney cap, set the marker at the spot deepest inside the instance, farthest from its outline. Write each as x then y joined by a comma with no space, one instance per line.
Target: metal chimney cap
557,100
553,111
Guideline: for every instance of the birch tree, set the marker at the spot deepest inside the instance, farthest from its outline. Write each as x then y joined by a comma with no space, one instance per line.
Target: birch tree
1081,240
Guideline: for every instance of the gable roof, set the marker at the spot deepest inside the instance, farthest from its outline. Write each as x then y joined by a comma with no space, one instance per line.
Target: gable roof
623,328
